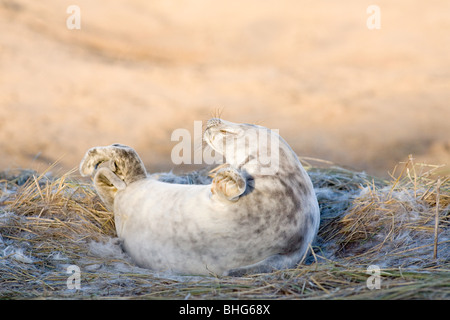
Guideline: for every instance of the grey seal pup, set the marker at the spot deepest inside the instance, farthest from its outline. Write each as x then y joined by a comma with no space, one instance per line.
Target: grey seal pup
259,213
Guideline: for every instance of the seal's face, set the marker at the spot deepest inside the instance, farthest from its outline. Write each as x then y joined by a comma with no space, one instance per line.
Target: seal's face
243,145
221,134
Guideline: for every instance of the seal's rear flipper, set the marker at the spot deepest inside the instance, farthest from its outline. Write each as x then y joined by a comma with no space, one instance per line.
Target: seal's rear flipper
107,183
123,161
113,167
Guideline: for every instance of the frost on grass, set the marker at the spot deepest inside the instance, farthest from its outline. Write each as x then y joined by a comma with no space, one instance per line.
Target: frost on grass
397,224
50,223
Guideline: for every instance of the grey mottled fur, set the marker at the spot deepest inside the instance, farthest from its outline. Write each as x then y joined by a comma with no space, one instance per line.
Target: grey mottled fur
242,222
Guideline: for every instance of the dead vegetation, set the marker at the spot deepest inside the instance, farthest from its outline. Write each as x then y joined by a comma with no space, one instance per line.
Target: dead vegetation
401,225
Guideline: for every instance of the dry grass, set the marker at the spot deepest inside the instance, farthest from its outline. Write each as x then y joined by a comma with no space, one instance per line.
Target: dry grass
47,224
399,221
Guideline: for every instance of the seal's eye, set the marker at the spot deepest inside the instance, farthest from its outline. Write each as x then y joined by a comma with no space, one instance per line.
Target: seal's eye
227,132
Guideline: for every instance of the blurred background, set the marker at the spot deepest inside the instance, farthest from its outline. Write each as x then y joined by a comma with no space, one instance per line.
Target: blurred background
137,70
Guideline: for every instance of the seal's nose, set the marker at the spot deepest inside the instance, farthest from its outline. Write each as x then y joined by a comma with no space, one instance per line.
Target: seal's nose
213,122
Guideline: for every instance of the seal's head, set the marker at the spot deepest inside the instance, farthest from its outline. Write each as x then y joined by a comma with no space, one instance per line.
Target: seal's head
244,146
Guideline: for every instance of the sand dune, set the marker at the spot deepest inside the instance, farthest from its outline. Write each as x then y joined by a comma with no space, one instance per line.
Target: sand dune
137,70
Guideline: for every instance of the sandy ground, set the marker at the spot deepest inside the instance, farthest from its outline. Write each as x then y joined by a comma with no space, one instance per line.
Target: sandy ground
137,70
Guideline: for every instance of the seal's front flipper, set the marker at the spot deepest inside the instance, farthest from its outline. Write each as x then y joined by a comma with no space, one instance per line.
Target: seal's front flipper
228,184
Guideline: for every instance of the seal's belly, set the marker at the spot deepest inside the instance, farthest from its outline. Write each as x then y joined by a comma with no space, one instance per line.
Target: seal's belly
180,228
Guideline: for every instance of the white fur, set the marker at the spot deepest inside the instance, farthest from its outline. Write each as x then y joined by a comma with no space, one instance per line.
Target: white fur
243,222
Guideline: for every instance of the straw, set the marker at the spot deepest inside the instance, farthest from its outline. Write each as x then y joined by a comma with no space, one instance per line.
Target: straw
401,225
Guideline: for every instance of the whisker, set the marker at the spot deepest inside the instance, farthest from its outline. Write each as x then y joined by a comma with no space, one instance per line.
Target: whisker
259,122
217,112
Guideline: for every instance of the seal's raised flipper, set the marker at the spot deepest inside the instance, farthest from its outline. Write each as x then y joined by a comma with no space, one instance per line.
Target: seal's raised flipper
107,183
124,162
113,167
228,184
